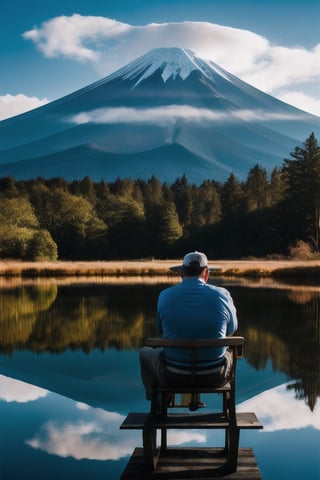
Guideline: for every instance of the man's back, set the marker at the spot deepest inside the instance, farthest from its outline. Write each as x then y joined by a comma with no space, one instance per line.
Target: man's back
194,309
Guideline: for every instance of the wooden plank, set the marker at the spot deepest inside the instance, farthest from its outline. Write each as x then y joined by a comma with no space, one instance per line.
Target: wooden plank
196,463
248,420
134,421
245,420
171,389
199,420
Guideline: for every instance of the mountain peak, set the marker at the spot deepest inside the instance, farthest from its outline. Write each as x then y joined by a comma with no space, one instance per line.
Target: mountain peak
186,116
173,62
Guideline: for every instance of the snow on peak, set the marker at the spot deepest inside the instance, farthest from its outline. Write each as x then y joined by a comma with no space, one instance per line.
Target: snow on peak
172,61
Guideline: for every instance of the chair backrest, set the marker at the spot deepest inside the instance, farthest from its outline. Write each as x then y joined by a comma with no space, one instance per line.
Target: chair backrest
234,343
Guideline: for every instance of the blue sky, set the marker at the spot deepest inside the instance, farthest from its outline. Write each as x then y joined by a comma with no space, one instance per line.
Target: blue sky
51,48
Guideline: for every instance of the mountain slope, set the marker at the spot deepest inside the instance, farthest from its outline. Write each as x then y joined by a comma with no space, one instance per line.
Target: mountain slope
167,113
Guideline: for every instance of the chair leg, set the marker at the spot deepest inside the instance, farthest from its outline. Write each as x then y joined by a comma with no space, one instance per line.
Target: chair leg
225,406
164,443
149,433
165,397
232,458
149,437
233,433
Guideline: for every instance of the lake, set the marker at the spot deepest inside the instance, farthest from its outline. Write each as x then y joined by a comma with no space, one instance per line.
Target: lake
69,374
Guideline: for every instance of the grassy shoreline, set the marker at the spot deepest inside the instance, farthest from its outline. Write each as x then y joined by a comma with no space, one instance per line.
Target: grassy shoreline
230,268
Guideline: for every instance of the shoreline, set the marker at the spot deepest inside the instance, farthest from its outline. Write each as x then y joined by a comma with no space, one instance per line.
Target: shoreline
226,268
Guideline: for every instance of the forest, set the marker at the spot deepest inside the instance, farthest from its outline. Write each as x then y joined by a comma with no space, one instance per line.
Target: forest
265,215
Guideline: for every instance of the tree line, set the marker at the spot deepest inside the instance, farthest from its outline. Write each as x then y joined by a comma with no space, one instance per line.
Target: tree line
47,219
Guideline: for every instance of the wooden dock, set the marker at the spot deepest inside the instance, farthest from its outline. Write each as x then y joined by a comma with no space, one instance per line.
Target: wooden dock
192,463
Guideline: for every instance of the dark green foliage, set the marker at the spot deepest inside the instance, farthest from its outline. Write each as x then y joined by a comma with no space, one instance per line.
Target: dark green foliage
147,218
232,196
257,190
182,198
302,191
42,247
163,229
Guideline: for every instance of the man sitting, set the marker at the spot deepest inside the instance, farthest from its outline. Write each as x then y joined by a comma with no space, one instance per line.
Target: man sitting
192,309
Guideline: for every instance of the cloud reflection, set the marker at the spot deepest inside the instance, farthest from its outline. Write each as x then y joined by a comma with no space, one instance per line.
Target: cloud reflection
12,390
278,409
96,436
93,433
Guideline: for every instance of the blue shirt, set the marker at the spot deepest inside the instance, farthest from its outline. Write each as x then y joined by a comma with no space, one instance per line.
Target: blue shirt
195,309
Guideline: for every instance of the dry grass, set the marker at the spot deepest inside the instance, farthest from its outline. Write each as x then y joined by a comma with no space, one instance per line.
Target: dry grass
61,268
230,268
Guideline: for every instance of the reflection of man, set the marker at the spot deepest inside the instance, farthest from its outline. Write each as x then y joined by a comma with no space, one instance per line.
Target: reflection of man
191,309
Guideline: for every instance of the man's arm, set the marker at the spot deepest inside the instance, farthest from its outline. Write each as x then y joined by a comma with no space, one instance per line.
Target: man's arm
232,325
159,322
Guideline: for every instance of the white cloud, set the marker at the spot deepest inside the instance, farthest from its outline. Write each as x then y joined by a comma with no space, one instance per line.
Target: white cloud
278,409
110,44
306,102
11,105
172,113
67,36
180,437
285,66
96,436
12,390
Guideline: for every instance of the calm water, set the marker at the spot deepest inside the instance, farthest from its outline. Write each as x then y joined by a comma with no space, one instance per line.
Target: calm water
69,374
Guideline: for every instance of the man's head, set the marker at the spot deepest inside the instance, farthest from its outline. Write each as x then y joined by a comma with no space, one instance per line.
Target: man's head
195,264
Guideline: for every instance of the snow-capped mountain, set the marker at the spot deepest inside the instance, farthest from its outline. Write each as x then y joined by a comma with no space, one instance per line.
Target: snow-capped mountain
167,113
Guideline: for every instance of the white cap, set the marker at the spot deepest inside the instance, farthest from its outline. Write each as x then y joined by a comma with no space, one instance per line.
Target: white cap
195,259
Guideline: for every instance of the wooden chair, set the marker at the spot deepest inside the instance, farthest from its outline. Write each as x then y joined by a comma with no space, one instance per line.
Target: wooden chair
164,420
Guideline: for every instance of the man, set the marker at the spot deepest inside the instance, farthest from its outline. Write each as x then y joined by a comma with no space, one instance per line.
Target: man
191,309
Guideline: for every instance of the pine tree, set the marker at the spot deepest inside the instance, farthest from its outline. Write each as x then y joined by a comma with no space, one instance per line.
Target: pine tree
206,205
231,196
257,189
302,195
276,186
181,190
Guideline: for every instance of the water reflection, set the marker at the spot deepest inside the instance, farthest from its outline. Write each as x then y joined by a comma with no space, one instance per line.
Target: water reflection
51,318
289,425
12,390
79,440
75,344
278,409
91,433
45,435
19,310
83,432
281,326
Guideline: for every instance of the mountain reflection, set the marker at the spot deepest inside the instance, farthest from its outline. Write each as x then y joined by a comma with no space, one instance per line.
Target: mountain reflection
280,326
77,430
283,327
